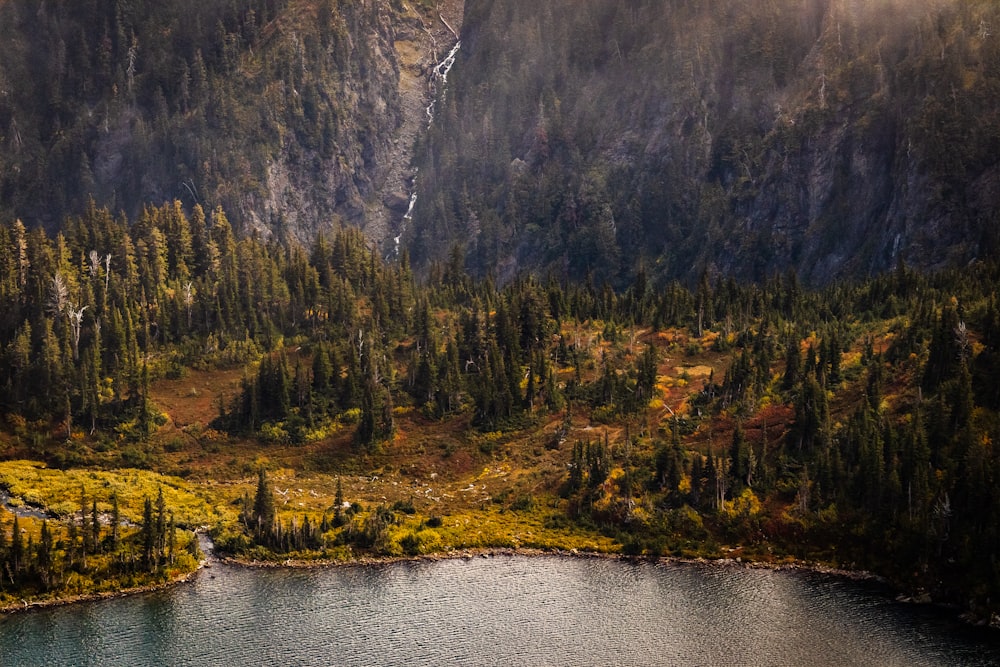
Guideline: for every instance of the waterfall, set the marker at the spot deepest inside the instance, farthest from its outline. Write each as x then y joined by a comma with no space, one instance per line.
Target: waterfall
438,73
406,216
445,65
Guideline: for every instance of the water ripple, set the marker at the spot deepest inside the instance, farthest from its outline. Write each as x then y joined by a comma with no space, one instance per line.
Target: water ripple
499,611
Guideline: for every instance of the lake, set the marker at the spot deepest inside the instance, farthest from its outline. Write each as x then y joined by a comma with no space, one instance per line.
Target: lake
502,610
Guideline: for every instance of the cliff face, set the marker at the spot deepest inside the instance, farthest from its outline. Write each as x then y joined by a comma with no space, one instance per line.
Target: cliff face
834,137
745,138
287,113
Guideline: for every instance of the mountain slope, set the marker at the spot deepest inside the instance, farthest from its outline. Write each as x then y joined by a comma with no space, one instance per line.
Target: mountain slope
832,137
828,136
285,112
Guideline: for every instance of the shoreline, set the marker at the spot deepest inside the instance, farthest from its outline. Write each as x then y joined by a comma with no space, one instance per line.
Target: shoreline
211,559
48,603
492,552
458,554
900,595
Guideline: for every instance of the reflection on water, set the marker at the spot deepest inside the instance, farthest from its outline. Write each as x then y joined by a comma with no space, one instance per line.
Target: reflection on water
500,611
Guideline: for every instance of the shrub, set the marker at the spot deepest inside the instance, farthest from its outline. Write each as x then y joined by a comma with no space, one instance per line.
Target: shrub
523,503
352,416
404,506
173,445
410,544
632,546
274,433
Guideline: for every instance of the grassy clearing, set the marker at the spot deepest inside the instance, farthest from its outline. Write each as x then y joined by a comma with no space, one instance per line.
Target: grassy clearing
79,554
465,489
60,491
495,528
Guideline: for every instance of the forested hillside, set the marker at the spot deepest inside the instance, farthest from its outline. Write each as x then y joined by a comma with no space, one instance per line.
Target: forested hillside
690,279
734,138
282,111
854,426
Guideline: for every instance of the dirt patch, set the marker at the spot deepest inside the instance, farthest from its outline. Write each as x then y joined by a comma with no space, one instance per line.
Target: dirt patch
694,371
195,398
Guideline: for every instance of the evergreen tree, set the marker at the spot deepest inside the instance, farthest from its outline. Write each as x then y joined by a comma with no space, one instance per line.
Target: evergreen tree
321,371
160,539
44,558
148,535
811,415
740,469
16,558
263,514
646,376
793,364
338,505
115,524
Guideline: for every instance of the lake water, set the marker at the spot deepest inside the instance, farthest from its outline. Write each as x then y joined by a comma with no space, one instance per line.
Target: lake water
504,610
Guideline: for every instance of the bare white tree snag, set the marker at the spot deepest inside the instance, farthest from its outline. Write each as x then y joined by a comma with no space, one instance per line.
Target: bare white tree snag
130,70
75,316
189,300
95,263
962,340
58,295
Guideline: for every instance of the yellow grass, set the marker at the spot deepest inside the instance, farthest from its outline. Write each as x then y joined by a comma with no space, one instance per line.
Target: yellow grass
60,491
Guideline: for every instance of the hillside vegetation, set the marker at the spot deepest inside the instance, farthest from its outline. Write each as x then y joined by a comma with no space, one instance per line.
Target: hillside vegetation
282,111
325,405
734,138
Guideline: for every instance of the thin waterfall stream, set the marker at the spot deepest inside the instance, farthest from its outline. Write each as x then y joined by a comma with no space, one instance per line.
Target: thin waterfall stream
439,73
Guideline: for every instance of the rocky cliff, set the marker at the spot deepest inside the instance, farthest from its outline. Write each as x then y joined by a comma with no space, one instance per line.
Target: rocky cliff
833,137
579,138
291,114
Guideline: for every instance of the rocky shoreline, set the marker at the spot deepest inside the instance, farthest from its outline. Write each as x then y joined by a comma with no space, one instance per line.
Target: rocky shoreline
490,552
967,616
46,603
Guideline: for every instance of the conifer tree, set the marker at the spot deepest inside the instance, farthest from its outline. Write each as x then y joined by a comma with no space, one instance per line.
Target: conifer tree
161,525
16,547
95,526
3,549
646,376
44,557
740,469
793,364
88,544
148,535
115,524
171,539
263,504
338,505
321,371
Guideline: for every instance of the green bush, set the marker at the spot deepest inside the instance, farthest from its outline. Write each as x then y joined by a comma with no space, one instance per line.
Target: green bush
410,544
523,503
404,506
